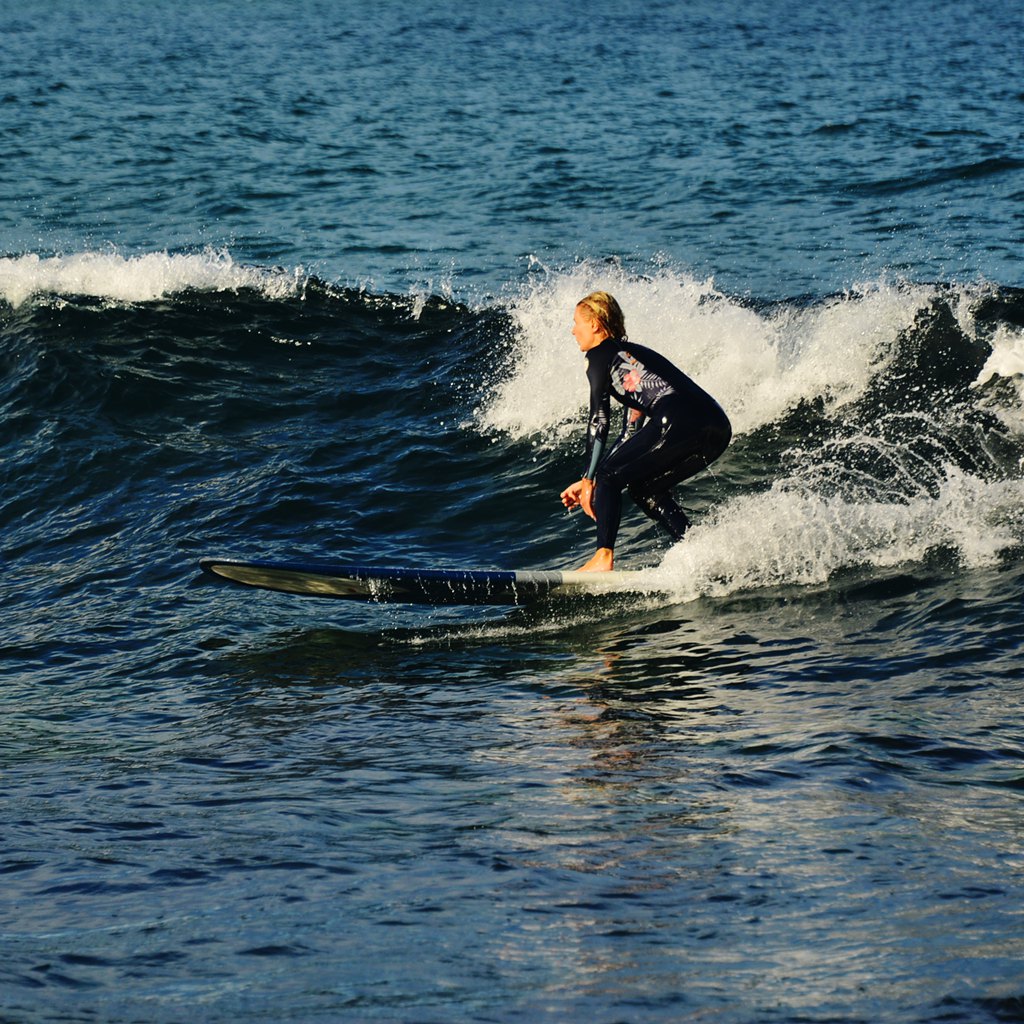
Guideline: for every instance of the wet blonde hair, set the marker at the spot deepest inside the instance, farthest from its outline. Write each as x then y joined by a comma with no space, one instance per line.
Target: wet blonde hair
606,311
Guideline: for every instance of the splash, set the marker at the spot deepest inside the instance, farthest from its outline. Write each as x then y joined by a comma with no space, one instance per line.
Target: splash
882,450
1007,362
143,278
787,537
757,362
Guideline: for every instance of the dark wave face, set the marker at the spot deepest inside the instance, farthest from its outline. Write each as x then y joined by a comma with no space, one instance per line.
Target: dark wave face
282,416
318,416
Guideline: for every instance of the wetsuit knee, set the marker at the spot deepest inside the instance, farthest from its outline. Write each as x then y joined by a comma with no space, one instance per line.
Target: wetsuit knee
662,508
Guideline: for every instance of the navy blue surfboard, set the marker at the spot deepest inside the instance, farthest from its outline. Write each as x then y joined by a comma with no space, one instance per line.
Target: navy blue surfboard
421,586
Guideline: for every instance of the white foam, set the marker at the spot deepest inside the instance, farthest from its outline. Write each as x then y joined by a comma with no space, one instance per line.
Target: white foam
757,364
786,536
1007,360
143,278
819,519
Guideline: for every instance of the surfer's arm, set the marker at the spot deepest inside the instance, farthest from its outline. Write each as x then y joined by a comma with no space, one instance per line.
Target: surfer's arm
598,371
579,494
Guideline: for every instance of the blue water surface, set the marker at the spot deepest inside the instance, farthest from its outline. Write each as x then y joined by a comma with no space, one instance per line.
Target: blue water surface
786,150
295,280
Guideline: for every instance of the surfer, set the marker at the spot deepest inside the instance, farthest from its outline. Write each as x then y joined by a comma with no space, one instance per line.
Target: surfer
671,429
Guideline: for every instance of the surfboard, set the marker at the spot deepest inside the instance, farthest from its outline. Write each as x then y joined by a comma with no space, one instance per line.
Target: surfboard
421,586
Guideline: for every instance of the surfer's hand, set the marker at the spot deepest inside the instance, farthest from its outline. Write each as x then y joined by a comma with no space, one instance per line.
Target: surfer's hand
579,494
571,495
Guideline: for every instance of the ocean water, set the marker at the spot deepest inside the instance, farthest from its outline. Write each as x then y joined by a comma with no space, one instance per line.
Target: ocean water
295,280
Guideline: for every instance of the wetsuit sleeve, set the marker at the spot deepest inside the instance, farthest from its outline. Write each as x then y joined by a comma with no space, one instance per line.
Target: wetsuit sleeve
600,409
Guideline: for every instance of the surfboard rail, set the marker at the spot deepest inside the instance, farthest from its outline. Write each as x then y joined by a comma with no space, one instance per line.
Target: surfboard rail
415,586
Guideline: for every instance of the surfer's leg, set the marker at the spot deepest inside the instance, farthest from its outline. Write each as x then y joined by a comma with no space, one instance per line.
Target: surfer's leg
665,451
654,498
662,508
607,505
625,464
676,458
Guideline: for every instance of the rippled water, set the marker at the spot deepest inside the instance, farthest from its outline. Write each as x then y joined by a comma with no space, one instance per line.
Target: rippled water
296,281
783,150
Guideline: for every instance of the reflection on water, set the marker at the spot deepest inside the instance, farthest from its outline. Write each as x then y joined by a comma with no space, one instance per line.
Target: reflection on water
812,803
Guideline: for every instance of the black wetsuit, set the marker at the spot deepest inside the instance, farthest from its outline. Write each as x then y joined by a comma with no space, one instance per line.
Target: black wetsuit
671,430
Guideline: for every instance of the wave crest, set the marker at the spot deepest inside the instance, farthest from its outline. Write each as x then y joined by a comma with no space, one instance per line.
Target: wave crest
142,278
789,536
759,361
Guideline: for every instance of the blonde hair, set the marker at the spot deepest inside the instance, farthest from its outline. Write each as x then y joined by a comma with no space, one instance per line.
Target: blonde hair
606,311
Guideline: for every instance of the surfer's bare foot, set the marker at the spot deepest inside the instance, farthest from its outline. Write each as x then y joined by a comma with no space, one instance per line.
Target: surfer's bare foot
603,561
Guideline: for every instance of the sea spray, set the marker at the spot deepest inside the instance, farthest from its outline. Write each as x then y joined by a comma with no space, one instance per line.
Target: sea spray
757,361
864,424
1006,362
140,278
788,536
